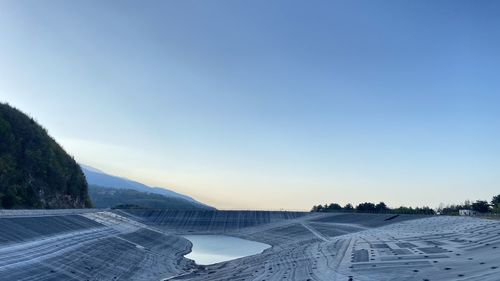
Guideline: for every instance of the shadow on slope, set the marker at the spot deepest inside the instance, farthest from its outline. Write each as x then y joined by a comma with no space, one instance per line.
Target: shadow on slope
366,220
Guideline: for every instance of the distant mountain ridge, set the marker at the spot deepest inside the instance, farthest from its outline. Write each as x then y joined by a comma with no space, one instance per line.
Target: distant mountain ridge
96,177
108,197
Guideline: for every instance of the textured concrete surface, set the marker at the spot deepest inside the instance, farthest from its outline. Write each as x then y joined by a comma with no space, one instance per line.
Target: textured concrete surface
146,245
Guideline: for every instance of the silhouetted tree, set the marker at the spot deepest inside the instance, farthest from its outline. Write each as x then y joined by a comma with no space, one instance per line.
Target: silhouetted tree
495,202
317,208
467,204
424,211
481,206
334,207
348,207
381,207
450,210
365,207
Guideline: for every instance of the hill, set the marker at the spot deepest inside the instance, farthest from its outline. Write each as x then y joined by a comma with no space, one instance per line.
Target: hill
106,197
152,197
35,171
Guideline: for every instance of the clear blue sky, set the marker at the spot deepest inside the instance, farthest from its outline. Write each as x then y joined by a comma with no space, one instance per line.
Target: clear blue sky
267,104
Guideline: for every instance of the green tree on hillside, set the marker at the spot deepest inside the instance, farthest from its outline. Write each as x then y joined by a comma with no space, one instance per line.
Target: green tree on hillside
35,172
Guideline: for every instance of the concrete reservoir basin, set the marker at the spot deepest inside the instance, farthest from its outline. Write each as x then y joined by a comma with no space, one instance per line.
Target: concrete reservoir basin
211,249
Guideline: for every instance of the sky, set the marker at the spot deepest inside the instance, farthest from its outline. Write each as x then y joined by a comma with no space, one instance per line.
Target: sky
267,104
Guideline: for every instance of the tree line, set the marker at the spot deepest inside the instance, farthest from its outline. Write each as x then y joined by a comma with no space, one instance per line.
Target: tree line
480,206
368,207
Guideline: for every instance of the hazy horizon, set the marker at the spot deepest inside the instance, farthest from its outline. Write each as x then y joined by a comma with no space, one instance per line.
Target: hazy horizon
267,105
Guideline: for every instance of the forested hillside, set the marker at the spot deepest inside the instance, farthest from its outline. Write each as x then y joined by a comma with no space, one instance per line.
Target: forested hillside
35,172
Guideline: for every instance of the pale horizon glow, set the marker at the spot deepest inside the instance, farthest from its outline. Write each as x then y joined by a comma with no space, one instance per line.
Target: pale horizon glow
267,105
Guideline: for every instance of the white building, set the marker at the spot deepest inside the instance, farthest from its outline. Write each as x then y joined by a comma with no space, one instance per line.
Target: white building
466,212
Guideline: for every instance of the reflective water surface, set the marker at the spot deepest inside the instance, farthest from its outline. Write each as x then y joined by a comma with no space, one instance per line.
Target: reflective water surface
210,249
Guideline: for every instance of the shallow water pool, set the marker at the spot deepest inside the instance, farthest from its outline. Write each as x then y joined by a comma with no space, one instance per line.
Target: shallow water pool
210,249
